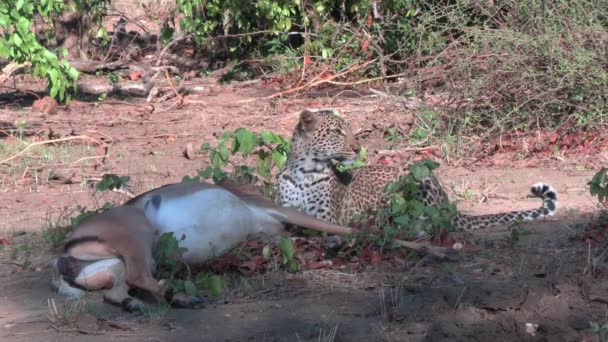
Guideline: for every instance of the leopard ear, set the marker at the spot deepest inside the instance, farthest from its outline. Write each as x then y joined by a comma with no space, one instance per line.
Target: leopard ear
308,120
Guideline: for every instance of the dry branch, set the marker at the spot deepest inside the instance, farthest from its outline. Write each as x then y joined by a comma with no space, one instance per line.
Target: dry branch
312,83
91,67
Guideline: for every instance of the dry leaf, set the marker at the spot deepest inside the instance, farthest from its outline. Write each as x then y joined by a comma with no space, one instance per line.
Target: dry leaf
189,152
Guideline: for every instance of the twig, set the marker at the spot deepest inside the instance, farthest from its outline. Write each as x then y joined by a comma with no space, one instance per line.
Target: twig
310,84
423,248
179,96
459,298
82,331
87,158
305,58
78,137
379,78
247,34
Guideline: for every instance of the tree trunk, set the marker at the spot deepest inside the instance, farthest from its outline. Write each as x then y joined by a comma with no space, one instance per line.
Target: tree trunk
71,31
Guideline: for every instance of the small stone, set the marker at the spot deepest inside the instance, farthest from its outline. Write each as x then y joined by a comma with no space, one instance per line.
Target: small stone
86,322
189,151
46,105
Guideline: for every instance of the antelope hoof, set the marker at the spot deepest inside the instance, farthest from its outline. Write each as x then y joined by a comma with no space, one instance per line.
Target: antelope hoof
132,305
184,301
332,241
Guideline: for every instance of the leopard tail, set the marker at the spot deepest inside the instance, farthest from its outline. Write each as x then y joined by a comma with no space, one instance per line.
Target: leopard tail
548,208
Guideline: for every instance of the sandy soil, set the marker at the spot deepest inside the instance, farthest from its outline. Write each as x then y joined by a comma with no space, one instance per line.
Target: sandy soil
487,296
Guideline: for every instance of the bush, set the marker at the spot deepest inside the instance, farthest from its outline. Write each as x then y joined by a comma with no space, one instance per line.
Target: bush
507,64
19,44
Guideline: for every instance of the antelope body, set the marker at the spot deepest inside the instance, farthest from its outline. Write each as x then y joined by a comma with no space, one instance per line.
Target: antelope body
114,250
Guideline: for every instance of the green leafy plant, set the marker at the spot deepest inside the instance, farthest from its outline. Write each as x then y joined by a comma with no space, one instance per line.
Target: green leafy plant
600,330
113,77
169,263
404,214
171,267
288,252
111,181
169,255
426,128
19,44
270,149
210,282
598,186
359,162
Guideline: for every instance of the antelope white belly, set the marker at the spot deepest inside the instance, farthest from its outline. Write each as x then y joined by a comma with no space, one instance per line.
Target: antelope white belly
99,275
211,221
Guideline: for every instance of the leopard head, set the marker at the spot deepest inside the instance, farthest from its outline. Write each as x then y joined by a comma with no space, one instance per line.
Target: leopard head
323,135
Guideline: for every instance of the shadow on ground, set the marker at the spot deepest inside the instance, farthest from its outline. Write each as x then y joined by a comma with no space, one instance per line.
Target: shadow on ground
488,296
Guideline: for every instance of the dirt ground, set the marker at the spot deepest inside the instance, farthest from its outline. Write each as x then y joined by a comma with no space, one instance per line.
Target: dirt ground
544,279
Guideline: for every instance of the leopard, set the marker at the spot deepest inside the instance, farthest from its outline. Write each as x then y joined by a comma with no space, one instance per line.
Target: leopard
311,181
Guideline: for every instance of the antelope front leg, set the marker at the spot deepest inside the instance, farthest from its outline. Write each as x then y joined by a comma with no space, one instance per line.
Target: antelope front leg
119,295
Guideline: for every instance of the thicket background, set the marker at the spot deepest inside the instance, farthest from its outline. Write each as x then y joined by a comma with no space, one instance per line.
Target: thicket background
496,65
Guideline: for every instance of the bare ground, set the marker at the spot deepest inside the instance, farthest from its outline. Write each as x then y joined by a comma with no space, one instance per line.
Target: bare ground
487,296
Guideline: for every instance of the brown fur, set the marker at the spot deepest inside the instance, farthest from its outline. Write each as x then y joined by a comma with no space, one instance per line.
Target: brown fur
122,232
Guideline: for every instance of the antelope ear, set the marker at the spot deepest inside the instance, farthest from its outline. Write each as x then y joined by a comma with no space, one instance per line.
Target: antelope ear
308,120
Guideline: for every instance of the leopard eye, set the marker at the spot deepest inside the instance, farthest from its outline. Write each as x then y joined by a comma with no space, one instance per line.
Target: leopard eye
338,130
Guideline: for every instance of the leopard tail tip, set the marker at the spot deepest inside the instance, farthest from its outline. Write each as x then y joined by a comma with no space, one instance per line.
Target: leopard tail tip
549,196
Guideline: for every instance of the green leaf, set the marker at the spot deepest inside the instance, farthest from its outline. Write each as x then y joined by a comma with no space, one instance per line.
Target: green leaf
431,164
222,150
362,153
73,73
54,75
246,140
166,33
218,175
206,173
268,137
215,158
215,285
416,208
190,288
111,181
225,136
431,212
399,204
420,172
188,179
17,40
287,248
266,252
206,147
279,158
403,220
263,166
391,187
4,20
292,266
23,27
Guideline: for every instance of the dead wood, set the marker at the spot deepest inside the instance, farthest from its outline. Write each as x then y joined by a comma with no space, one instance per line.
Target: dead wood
92,67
